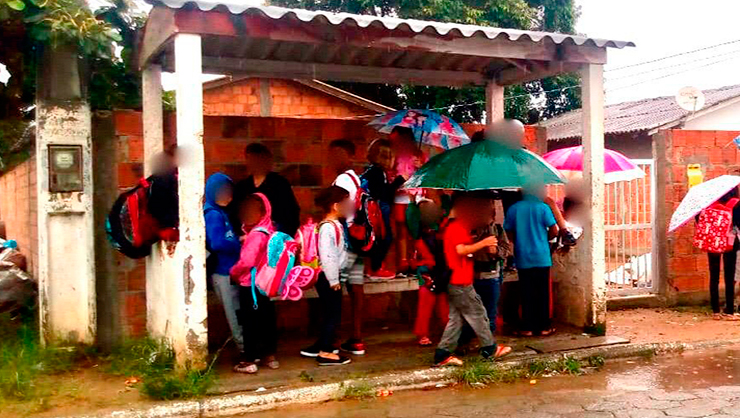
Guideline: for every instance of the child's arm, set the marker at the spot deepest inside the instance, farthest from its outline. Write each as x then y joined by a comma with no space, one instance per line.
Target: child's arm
559,218
252,252
465,249
329,253
219,236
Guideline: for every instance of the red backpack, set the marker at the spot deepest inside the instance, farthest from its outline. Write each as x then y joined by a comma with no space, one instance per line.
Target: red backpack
130,226
714,230
368,226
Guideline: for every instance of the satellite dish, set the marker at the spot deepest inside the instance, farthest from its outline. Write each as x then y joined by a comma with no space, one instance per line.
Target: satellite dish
690,98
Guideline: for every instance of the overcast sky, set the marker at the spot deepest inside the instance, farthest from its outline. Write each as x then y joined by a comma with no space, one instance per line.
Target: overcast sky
659,28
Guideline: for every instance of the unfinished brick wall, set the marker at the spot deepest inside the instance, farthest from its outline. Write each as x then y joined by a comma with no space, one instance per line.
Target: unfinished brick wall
686,268
18,209
276,98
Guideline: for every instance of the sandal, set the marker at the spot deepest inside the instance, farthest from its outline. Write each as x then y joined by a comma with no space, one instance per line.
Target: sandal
730,317
425,342
717,316
523,333
548,332
246,367
272,363
502,350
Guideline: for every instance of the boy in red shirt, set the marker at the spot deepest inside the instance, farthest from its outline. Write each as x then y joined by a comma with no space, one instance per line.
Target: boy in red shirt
465,304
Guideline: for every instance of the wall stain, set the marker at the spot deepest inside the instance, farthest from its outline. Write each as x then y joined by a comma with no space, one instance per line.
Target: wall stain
188,283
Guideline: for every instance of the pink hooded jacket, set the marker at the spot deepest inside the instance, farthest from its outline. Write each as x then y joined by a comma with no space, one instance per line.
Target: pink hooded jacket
254,246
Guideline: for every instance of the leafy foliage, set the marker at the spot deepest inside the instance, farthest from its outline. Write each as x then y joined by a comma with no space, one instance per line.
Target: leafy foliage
465,105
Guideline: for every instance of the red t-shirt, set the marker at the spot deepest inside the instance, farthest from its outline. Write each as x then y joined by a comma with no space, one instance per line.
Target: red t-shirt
455,234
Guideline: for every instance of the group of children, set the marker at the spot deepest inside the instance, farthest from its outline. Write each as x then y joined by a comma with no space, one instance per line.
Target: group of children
451,243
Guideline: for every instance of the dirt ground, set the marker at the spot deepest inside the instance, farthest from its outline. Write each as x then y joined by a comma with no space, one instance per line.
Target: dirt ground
90,390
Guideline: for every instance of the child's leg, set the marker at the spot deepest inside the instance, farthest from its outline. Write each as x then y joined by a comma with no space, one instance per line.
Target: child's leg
267,322
472,310
729,258
402,237
426,304
493,314
228,294
356,288
331,308
526,284
251,326
714,266
451,335
443,308
485,290
540,299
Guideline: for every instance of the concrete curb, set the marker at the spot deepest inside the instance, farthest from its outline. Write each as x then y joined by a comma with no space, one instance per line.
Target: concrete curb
236,404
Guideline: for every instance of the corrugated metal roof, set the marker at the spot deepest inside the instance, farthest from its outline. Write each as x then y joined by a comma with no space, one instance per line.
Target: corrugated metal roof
640,115
390,23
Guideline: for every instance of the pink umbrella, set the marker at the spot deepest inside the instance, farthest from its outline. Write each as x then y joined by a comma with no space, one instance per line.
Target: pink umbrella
617,167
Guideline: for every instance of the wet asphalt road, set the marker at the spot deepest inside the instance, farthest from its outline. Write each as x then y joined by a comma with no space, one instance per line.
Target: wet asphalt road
698,384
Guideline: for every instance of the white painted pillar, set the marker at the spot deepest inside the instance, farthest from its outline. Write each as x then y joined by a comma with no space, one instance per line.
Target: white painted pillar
593,173
66,270
190,337
494,102
161,311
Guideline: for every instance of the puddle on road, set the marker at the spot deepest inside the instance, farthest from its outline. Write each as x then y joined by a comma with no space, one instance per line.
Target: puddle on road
693,370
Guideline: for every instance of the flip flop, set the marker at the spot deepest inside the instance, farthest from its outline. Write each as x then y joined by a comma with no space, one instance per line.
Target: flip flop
246,368
501,351
548,332
425,342
272,363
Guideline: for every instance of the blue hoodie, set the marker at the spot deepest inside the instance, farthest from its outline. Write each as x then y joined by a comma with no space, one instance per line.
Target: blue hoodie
220,236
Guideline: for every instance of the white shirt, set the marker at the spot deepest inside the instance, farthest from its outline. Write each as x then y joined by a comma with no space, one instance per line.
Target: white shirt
332,250
348,181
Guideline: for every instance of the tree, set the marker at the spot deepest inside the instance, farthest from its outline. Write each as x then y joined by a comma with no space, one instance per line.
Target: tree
466,104
105,41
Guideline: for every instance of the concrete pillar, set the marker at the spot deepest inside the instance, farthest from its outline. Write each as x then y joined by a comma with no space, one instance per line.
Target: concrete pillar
190,337
160,265
593,174
105,154
66,270
494,102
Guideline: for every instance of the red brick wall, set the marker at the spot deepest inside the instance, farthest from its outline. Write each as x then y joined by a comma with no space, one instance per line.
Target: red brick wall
687,268
18,209
288,99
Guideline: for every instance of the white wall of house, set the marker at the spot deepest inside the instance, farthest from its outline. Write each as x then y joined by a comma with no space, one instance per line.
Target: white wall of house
724,119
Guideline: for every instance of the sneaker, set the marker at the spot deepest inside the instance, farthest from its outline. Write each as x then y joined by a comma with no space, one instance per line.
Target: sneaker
313,351
353,347
450,361
339,361
383,274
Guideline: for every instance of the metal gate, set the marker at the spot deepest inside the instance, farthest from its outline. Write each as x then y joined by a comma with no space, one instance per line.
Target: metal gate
628,217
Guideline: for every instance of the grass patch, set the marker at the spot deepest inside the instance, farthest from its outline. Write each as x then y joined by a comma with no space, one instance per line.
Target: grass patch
306,377
23,359
356,390
478,371
153,362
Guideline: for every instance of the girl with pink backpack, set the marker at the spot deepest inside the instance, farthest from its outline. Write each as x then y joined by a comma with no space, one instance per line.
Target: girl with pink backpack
257,314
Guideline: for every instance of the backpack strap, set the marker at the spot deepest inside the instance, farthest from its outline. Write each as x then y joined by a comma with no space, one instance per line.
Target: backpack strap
337,233
262,229
254,284
732,202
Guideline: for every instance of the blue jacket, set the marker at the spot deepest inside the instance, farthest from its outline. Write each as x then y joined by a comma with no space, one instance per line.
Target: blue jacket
221,239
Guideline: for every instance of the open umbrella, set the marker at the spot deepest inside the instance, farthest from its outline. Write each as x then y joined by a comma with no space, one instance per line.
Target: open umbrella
617,167
484,165
429,127
700,197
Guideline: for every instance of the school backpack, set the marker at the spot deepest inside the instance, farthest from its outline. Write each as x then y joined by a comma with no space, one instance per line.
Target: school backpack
367,227
714,231
276,265
307,238
130,227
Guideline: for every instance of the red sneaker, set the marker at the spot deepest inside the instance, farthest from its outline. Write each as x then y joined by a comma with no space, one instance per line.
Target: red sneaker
383,274
355,347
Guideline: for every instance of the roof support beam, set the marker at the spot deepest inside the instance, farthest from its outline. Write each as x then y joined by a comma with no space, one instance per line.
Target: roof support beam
332,72
531,72
494,103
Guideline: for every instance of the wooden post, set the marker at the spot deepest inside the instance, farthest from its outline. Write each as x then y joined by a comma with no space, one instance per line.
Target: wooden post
190,338
593,173
494,102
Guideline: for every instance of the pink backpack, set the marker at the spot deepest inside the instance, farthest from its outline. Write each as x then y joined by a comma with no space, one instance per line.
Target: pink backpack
306,236
714,232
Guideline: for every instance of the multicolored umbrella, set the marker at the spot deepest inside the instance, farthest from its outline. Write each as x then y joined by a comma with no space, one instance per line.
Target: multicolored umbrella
617,167
701,197
484,165
429,127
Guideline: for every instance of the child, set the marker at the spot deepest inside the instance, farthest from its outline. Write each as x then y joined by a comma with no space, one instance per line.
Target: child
488,265
530,224
465,305
223,246
335,203
431,266
258,315
408,156
375,180
341,152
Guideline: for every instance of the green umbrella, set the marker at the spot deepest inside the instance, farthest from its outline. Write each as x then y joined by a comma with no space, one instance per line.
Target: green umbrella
484,165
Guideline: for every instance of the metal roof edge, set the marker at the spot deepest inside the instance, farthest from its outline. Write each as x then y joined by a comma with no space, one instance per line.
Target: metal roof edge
699,113
391,23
